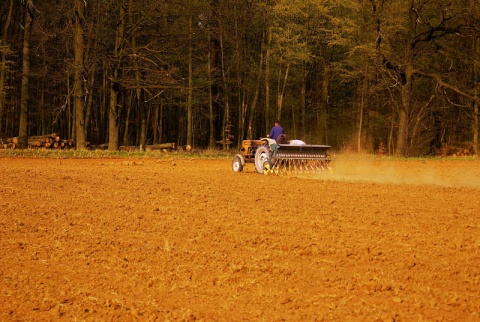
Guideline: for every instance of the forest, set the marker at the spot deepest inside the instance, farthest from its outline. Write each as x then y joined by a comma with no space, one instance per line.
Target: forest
396,77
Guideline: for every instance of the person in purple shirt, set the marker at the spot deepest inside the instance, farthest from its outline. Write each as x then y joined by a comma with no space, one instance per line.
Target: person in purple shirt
276,130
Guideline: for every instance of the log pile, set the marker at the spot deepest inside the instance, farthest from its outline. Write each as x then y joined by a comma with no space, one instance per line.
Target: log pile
50,141
464,152
103,146
160,146
151,147
9,143
133,148
456,150
53,141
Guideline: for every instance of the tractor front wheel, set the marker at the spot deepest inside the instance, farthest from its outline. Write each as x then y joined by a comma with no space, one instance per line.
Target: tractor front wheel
237,164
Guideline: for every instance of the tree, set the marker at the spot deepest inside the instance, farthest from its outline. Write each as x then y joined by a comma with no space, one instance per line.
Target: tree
4,50
23,123
115,86
408,31
78,91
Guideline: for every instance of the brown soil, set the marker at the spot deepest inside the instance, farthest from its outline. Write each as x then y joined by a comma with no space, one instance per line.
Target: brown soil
149,239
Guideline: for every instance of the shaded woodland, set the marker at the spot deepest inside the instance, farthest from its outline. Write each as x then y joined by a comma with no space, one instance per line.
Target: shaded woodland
399,77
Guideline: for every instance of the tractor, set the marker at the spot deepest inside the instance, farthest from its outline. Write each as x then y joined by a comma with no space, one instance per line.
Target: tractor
282,157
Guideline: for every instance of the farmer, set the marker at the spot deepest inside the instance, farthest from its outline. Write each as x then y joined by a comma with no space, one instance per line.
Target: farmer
276,130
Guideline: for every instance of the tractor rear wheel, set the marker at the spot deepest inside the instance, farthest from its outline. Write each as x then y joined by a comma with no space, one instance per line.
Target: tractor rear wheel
263,159
237,164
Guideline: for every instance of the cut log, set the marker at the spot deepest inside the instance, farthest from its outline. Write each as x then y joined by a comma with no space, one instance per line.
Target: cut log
103,146
39,141
34,144
40,137
129,148
160,146
13,140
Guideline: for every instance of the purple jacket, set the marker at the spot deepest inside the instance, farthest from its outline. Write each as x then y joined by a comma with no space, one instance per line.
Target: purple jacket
276,131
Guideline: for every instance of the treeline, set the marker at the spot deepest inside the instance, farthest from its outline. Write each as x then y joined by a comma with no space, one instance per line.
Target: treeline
400,76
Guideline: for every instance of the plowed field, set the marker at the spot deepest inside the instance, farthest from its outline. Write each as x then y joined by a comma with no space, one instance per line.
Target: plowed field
184,240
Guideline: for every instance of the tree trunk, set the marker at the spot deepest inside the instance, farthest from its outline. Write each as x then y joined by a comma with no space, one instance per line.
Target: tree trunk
253,105
190,87
402,132
241,103
70,128
88,112
130,101
226,114
322,110
91,59
361,107
155,123
475,125
113,119
293,124
160,123
303,105
242,118
78,91
3,62
281,92
139,92
43,126
115,87
214,70
211,141
105,106
23,123
415,136
142,139
405,107
267,81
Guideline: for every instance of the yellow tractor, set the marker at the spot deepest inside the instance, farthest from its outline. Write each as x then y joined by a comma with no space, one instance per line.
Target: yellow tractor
282,157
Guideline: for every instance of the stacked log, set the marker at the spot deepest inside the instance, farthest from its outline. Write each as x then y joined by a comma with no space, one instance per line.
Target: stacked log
50,141
53,141
129,148
9,143
133,148
464,152
456,150
160,146
103,146
151,147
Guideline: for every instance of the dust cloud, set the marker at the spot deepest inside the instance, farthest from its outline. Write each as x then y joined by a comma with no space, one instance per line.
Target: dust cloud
445,173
